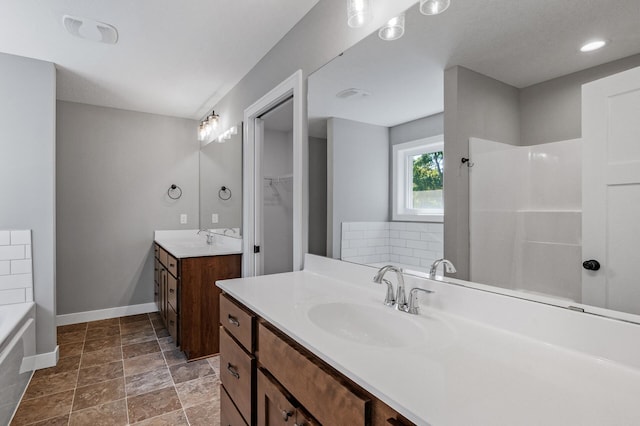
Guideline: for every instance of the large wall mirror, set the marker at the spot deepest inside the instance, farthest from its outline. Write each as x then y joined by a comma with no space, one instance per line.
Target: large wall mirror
221,184
463,139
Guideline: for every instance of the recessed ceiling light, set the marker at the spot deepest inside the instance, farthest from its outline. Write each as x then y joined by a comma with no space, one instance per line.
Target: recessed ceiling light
593,45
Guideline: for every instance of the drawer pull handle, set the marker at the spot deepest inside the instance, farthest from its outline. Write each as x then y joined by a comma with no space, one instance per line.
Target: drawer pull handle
233,371
171,290
233,320
171,322
286,414
171,265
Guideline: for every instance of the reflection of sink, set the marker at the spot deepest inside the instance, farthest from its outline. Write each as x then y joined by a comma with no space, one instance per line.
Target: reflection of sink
369,325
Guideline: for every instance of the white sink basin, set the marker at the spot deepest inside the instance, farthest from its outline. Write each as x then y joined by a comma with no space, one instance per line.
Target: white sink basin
368,325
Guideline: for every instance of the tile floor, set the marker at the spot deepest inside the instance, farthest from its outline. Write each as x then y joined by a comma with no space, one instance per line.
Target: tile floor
122,371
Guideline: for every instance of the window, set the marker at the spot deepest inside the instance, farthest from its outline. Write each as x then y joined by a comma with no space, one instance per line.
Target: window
418,168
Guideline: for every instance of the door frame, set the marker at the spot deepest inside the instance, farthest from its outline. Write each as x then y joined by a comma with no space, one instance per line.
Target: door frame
294,86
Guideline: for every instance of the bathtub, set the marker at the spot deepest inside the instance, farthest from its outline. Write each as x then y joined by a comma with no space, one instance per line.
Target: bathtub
17,346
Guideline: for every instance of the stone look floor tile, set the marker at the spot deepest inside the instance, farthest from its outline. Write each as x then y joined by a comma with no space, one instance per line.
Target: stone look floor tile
34,410
55,421
98,393
71,327
131,351
101,343
110,414
71,349
103,356
103,323
48,385
133,327
206,414
191,370
143,363
163,332
134,318
100,373
69,363
147,382
157,323
138,337
214,362
166,343
196,392
71,337
99,333
153,404
175,357
176,418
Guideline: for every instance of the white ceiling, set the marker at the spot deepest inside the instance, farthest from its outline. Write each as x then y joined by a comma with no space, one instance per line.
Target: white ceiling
519,42
175,58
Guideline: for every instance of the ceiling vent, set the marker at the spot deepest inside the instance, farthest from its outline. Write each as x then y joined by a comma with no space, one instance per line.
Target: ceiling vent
90,29
352,93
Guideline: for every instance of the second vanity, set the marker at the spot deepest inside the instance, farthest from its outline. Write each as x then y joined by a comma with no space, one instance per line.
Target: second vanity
469,357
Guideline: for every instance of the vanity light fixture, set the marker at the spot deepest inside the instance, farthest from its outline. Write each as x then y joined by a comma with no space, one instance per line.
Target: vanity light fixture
433,7
359,13
224,136
593,45
393,29
208,125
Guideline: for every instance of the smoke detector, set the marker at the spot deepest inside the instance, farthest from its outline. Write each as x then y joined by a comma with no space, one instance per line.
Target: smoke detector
89,29
352,93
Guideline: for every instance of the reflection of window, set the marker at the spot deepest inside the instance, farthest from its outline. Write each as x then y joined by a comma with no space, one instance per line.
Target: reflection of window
418,168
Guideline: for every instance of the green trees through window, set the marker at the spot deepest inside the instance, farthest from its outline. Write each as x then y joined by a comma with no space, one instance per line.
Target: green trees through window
427,171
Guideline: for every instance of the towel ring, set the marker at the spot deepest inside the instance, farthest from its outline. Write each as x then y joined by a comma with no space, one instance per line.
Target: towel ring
222,193
174,192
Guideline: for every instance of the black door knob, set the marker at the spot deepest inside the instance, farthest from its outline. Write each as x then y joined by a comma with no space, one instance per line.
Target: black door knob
591,265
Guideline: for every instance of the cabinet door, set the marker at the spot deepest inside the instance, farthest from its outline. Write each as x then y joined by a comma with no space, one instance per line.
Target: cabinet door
274,405
163,295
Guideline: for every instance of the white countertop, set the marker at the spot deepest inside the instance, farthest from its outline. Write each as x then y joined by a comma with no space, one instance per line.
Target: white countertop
187,243
458,371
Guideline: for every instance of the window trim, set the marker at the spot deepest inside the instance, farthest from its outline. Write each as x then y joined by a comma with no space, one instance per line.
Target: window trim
402,174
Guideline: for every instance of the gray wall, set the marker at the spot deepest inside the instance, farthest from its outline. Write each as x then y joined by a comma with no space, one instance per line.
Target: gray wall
474,106
221,164
551,111
113,171
358,163
27,171
318,196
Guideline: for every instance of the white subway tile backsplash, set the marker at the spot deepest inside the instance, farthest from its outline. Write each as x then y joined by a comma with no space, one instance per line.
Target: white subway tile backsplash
435,246
377,242
419,227
422,245
351,252
345,227
436,227
357,243
8,297
5,238
12,252
383,249
28,294
410,235
402,251
8,282
5,267
377,234
27,251
21,266
366,251
397,226
353,235
20,237
394,234
344,244
397,242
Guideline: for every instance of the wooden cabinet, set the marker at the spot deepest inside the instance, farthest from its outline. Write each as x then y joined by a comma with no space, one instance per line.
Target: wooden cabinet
290,386
188,299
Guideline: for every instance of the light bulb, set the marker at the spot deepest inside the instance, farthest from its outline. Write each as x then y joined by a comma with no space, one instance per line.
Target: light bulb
393,29
433,7
358,13
234,130
212,120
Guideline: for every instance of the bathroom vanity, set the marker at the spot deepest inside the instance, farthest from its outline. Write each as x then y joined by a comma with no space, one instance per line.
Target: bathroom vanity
185,269
318,346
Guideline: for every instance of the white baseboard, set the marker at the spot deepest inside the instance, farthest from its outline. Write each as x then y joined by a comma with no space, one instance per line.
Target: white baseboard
101,314
36,362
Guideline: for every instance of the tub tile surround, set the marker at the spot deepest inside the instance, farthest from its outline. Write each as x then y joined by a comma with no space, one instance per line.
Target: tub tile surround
495,359
122,383
408,244
16,269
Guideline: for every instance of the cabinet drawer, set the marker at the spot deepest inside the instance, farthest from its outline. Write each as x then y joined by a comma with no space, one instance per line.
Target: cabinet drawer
237,374
325,396
229,414
172,292
172,324
237,321
162,256
172,265
156,271
156,251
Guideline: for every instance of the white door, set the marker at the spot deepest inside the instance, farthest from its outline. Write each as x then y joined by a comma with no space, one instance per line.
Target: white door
611,191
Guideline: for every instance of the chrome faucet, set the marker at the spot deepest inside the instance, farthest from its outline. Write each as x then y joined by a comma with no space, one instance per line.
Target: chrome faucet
209,235
448,267
400,299
414,307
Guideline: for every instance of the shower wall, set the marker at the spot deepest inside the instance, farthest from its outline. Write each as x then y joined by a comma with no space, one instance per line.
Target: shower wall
525,216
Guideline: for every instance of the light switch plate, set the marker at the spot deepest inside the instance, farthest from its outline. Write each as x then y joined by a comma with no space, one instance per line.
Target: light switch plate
183,218
214,218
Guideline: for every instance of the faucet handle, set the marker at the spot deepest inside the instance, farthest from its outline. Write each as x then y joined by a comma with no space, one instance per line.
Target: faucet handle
389,299
414,306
